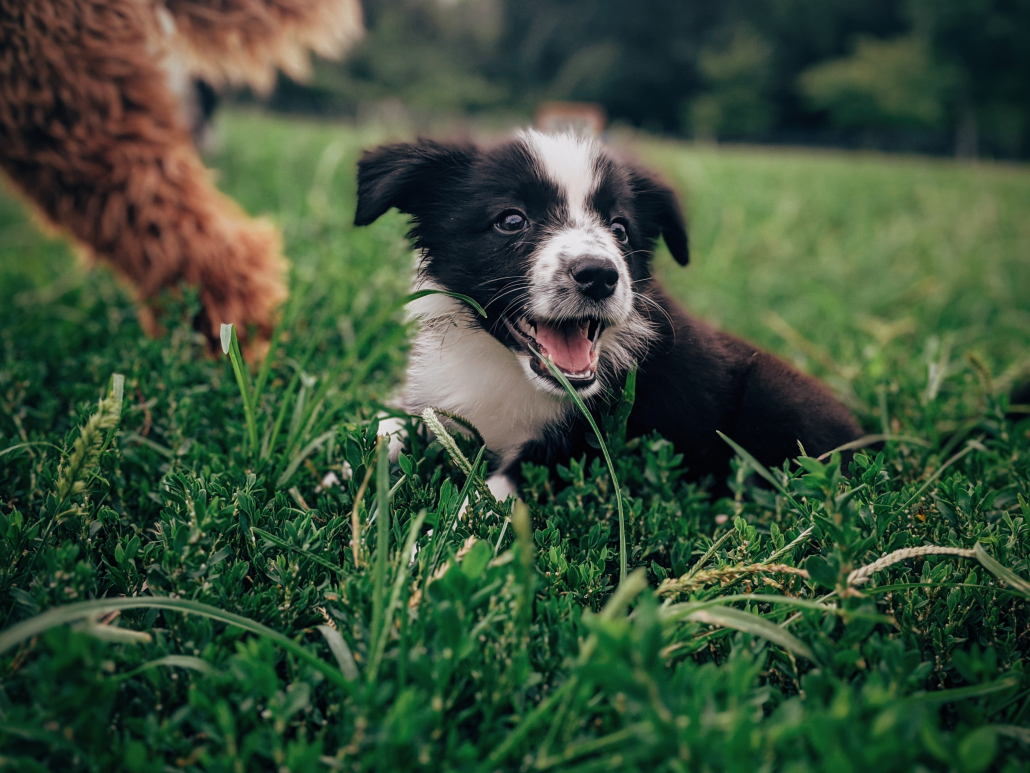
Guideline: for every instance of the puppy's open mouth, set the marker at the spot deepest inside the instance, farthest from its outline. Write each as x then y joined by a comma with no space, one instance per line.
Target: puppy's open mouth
570,345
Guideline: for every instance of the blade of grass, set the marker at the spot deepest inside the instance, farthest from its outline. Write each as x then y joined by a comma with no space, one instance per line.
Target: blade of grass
594,745
304,453
133,437
627,760
522,525
400,575
500,537
177,661
17,446
436,545
393,490
881,589
71,613
306,553
272,435
867,440
624,594
1014,581
574,395
760,468
292,434
937,697
971,445
747,622
676,612
113,633
338,646
266,364
382,537
439,291
1021,734
355,540
231,347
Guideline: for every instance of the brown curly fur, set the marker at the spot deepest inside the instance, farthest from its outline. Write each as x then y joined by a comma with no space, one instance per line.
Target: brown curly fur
91,133
242,41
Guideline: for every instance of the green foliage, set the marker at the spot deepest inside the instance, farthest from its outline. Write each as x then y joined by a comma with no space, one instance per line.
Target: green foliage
943,76
988,46
246,610
428,56
736,102
884,83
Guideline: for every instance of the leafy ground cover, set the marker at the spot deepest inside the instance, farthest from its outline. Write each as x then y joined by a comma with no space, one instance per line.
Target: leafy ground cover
255,615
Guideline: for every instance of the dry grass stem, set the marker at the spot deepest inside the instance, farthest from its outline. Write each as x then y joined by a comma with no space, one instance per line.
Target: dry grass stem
859,576
722,576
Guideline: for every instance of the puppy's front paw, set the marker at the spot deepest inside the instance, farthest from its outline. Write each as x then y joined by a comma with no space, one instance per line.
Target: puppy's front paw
394,429
501,486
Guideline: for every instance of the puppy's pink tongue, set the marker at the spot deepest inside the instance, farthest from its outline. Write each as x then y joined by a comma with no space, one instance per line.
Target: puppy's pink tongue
566,344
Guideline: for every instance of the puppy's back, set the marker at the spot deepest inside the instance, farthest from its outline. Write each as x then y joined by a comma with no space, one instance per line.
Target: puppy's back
697,380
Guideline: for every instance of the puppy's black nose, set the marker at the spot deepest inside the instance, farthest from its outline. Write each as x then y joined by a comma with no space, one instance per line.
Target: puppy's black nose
596,277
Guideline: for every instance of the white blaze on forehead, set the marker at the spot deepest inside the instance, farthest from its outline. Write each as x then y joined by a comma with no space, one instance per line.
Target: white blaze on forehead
570,162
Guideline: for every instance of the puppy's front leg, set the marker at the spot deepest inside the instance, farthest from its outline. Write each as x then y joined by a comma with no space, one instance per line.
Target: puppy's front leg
395,429
392,428
501,486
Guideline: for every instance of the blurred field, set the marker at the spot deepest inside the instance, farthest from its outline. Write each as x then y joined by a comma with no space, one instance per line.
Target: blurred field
851,251
903,282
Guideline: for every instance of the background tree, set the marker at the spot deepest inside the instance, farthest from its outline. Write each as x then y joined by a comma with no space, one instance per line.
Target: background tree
933,75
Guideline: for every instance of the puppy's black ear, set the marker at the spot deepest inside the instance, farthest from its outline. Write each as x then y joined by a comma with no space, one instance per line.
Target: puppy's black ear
658,203
408,176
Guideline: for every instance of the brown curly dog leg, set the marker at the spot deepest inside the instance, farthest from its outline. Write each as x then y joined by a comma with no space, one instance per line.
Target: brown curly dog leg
90,133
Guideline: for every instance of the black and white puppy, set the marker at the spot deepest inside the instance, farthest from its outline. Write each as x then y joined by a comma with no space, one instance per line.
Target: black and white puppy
553,236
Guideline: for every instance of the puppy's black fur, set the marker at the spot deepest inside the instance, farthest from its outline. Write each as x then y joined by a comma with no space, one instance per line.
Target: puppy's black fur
692,380
701,380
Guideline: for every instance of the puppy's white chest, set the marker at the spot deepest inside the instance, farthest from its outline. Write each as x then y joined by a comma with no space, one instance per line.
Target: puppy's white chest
468,372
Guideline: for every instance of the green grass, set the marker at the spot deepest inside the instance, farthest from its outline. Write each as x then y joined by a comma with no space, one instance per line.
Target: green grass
245,628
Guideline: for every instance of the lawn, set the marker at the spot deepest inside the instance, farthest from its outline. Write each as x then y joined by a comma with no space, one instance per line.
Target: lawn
256,620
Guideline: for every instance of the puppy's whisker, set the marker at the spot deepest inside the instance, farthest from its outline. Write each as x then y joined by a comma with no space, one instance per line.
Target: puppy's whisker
495,279
653,303
505,291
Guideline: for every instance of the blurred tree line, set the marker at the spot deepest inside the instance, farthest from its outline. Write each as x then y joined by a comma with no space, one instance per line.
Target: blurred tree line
940,76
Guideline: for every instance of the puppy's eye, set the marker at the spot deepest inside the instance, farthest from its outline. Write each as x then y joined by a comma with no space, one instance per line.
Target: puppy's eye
511,222
619,231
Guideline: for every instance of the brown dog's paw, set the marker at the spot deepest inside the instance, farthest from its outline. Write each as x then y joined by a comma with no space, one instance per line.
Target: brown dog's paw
245,289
